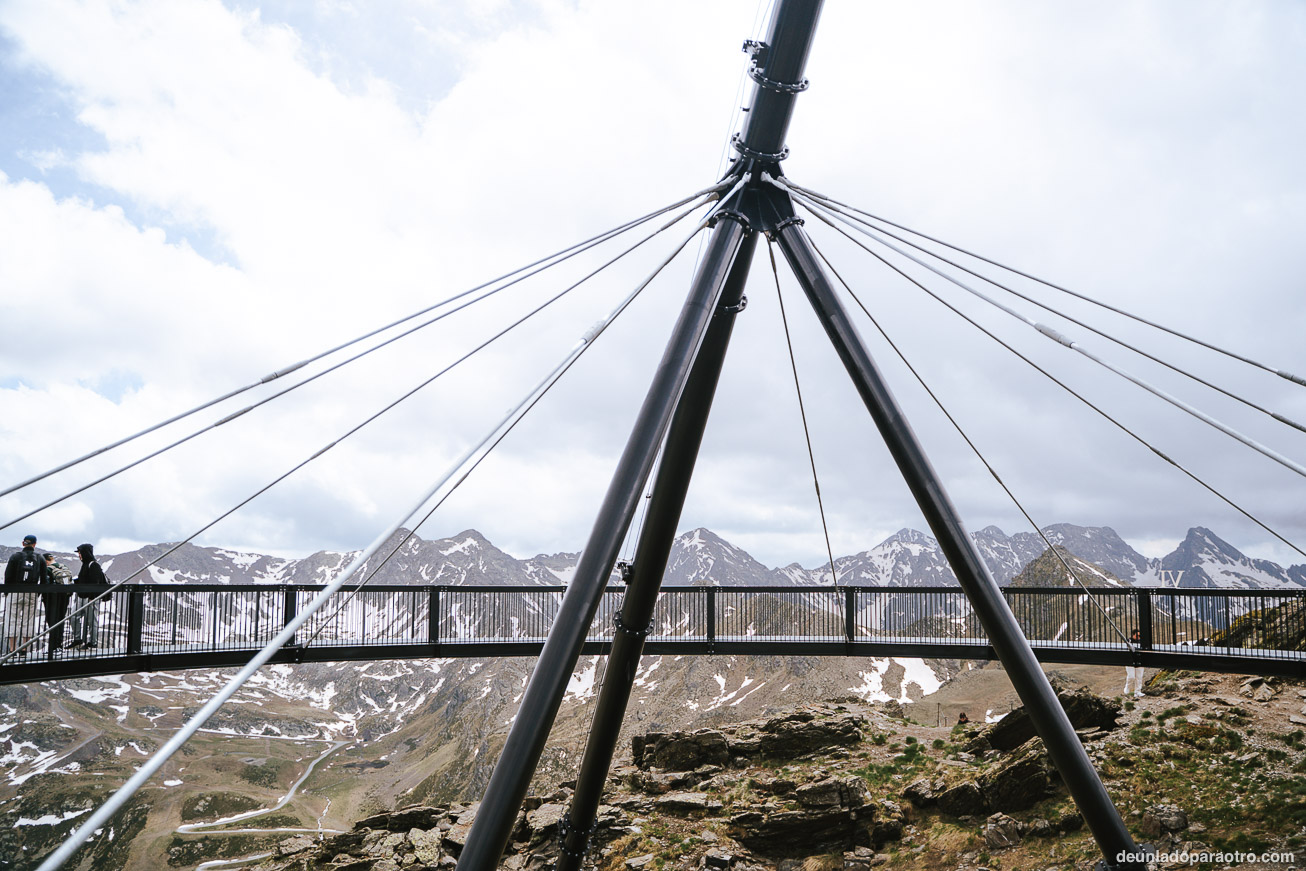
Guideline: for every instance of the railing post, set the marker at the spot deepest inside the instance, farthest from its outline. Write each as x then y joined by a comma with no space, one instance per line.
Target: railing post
289,608
1145,619
850,614
711,618
135,617
433,617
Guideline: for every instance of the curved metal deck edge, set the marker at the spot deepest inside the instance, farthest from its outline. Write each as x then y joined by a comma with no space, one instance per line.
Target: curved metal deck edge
1228,661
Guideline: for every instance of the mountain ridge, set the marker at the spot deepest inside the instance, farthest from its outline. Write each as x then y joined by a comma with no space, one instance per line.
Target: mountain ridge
699,556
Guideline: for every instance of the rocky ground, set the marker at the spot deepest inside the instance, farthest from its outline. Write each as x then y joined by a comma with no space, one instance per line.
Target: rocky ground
1202,763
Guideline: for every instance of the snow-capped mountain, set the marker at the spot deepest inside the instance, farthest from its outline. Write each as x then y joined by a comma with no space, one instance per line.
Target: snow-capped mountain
701,557
908,558
1203,559
905,559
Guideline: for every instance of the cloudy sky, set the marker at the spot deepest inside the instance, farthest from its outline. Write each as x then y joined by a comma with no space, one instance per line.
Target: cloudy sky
194,194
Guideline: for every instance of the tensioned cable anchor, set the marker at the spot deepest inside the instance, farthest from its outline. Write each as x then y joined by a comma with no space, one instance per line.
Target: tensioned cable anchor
793,219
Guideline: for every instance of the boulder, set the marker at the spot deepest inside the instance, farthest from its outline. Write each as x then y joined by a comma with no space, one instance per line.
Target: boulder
456,835
889,824
921,793
1163,819
1085,709
297,844
801,733
543,821
716,858
403,820
850,792
1001,831
684,803
426,845
1019,783
822,827
964,799
803,832
680,751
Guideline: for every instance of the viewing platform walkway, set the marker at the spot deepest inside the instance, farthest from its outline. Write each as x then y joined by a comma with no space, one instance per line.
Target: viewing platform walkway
169,627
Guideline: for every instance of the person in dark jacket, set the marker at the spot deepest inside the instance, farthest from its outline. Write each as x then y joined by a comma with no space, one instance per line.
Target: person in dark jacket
86,623
20,616
55,601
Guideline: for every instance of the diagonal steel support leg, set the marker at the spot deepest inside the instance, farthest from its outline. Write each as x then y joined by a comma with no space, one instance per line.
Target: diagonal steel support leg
1063,745
530,729
650,563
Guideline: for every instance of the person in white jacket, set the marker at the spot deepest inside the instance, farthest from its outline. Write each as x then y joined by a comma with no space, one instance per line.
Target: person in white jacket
1134,673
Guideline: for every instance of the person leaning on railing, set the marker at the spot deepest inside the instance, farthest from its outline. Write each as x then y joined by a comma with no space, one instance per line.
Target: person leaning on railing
86,624
19,609
55,601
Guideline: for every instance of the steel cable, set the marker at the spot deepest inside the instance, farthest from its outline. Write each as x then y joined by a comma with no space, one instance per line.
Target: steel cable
102,815
844,210
561,256
802,413
347,434
1061,384
1209,346
1050,333
410,533
972,445
267,399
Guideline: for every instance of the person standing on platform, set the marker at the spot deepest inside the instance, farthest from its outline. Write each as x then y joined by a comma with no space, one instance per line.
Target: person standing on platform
24,567
56,602
1134,673
86,623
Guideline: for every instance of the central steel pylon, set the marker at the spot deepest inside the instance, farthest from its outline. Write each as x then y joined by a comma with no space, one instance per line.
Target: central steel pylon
675,413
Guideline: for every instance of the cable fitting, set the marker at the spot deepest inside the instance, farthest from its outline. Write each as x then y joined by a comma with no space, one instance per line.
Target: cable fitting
286,371
1054,335
764,156
756,49
736,309
626,630
624,571
755,73
794,219
1289,421
1291,377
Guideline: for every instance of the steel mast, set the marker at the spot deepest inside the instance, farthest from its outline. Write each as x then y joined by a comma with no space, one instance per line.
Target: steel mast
677,404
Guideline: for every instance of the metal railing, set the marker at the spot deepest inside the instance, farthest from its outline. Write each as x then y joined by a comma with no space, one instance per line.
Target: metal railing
195,618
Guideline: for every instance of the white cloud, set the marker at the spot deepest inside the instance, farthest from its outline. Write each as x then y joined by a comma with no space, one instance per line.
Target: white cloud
249,186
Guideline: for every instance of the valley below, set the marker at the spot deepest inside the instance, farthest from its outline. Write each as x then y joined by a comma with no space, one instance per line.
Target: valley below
304,755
